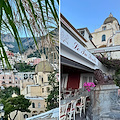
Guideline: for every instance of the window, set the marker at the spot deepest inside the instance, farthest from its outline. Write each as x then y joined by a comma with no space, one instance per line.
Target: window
33,105
104,28
64,79
110,40
10,82
34,114
82,33
27,90
30,76
39,105
90,79
42,79
36,79
25,116
48,89
42,90
85,77
103,37
25,76
39,77
3,77
9,77
3,82
90,37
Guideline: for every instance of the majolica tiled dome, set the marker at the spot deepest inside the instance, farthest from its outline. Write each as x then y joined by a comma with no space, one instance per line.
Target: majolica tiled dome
110,19
44,65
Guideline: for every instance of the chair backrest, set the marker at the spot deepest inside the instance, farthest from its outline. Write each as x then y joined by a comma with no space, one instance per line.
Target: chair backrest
73,105
81,100
62,109
84,100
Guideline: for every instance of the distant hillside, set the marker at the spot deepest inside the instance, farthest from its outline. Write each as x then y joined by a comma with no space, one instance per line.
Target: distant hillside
28,43
11,43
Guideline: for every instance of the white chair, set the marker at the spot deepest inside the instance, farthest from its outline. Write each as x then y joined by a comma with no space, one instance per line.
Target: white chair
63,112
76,93
67,94
71,110
81,105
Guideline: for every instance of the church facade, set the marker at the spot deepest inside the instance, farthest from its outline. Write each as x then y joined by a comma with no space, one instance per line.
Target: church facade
108,35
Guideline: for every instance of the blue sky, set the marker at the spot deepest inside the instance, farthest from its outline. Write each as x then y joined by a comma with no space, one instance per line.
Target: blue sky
89,13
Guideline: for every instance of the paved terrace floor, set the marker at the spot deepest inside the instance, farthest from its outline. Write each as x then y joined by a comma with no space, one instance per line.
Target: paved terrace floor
80,118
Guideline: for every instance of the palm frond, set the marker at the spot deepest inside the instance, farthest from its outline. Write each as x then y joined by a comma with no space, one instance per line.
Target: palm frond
37,17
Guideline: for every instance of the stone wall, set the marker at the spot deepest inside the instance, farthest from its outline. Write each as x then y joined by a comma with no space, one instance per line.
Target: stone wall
103,97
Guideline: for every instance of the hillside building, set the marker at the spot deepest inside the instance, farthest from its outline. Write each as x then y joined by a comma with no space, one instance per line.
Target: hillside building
37,89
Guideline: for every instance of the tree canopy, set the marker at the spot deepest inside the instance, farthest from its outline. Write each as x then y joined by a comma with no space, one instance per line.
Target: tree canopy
15,104
23,67
8,91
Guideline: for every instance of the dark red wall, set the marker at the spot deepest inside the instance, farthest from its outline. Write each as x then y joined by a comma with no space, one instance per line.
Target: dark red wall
73,80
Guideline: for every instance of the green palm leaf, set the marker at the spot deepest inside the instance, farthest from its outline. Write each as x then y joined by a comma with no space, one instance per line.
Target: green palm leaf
43,11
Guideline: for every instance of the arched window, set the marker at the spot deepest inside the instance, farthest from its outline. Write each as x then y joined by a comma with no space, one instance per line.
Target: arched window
25,76
42,79
34,113
103,37
25,116
39,105
3,82
36,79
42,90
110,40
33,105
104,28
48,89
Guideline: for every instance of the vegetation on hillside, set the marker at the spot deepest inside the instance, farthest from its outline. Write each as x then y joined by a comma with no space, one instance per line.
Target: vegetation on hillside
8,91
38,53
23,67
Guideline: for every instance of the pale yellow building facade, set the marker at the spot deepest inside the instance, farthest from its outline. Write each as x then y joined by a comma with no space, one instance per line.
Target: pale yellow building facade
37,106
108,35
36,89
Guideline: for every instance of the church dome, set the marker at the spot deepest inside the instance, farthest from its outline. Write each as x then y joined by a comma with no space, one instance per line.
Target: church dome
110,19
43,66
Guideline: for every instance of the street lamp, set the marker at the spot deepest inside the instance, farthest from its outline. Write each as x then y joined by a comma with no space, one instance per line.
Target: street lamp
2,112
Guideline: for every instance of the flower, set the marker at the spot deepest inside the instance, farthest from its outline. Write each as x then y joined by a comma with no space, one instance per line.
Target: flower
88,85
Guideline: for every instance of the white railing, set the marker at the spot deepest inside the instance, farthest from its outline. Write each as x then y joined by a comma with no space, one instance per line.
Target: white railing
49,115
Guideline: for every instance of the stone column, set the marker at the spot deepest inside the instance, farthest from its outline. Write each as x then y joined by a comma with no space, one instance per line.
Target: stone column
103,97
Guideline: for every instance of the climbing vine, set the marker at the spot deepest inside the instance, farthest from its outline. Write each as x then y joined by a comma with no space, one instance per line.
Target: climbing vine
112,64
